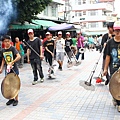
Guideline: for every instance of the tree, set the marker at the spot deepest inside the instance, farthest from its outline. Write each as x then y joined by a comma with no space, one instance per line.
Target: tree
28,9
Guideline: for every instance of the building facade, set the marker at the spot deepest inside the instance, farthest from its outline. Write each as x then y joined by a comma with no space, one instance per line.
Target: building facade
51,11
91,15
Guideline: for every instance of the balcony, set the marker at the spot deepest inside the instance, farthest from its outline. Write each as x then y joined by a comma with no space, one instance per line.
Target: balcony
98,6
85,19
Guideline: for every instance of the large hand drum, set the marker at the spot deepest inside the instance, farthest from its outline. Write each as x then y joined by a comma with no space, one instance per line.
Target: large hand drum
10,86
114,85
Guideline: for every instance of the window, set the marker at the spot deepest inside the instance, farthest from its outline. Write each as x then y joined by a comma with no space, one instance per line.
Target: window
84,1
46,11
84,24
78,14
84,12
104,24
79,2
53,11
93,13
93,25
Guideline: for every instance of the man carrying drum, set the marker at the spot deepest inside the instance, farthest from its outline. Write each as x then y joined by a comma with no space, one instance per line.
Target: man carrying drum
9,58
112,60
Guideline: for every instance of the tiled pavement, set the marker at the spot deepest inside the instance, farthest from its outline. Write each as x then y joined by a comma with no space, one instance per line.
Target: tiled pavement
62,98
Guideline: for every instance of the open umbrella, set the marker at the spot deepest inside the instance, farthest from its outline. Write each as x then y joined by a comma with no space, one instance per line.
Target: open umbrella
63,26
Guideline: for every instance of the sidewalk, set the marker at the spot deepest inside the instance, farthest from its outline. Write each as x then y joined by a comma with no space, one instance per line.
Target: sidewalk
62,98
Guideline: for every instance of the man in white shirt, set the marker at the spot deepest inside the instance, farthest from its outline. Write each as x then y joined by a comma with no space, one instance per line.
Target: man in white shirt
60,42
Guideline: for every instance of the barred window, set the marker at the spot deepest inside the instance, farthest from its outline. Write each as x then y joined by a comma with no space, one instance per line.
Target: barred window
53,11
46,11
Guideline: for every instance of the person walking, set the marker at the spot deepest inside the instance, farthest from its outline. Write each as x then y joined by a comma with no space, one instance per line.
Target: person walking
33,58
80,44
68,45
9,58
112,59
60,43
106,37
49,46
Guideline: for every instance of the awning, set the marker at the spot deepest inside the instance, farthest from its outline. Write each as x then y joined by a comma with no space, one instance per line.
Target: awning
24,26
63,26
44,23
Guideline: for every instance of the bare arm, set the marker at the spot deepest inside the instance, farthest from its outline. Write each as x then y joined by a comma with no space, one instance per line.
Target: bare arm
28,53
16,59
2,64
48,50
107,61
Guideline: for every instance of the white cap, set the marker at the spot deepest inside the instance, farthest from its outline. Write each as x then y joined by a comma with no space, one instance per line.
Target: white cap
67,33
30,31
116,25
47,33
59,33
78,32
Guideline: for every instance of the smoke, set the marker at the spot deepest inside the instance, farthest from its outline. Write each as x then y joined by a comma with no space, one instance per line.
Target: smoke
7,12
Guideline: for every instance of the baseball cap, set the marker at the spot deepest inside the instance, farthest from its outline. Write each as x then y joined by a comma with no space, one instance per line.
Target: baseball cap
30,31
78,32
47,33
116,25
67,33
59,33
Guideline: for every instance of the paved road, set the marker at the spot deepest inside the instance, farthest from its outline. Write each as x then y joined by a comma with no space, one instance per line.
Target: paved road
62,98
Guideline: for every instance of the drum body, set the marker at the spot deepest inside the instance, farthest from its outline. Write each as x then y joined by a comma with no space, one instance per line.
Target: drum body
114,86
10,86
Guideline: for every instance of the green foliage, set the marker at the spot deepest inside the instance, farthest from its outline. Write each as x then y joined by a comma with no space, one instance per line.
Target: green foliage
28,9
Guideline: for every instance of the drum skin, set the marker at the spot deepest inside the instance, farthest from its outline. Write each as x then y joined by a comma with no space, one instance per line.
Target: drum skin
10,86
114,86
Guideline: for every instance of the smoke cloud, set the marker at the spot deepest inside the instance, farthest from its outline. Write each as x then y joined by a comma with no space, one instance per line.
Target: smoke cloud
6,13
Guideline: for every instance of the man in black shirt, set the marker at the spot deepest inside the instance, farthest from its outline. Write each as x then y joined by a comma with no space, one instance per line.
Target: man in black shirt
49,47
68,44
113,56
33,58
104,41
9,58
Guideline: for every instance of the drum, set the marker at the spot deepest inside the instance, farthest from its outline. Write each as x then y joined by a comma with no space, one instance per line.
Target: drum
10,86
114,86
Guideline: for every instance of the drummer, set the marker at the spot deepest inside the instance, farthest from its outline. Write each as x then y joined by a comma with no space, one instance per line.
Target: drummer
113,56
9,58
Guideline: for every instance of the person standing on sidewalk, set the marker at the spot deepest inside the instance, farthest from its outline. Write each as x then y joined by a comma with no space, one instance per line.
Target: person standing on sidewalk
19,47
60,43
104,41
113,56
33,58
9,58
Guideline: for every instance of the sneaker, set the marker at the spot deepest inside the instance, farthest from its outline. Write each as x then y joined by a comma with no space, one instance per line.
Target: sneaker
15,103
118,108
106,82
34,82
42,80
10,102
60,69
114,102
